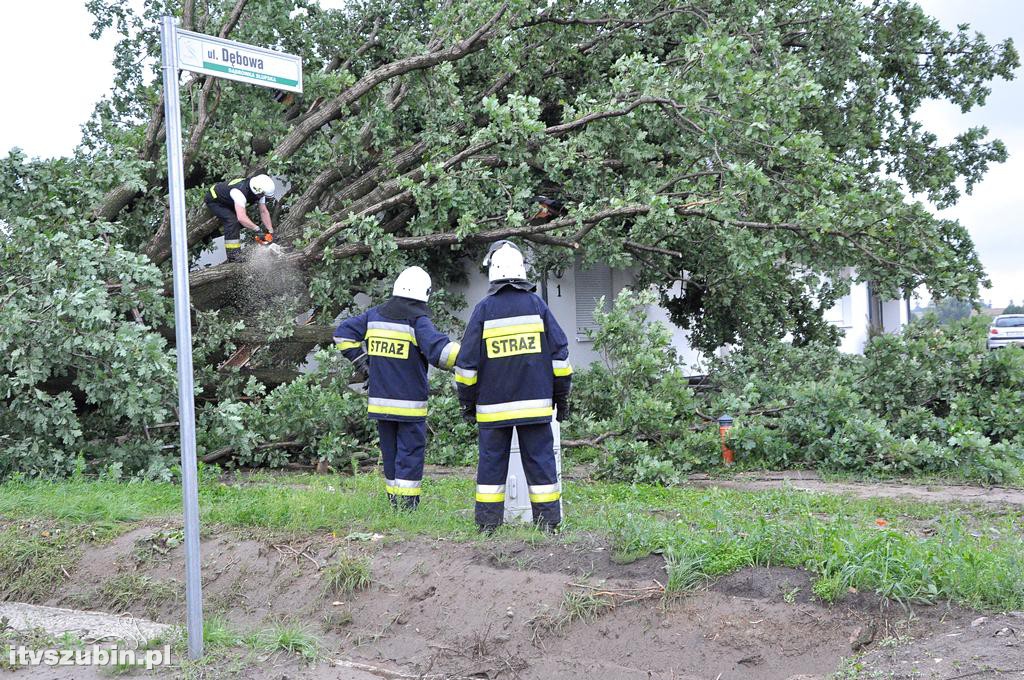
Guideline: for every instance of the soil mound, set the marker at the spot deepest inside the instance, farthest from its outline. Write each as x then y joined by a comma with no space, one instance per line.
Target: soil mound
551,610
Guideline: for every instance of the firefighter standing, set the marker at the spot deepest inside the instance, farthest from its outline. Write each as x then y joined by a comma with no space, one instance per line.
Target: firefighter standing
512,371
400,341
228,201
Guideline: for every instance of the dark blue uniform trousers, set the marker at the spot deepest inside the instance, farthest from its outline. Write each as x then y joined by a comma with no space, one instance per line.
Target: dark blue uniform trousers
403,445
232,227
536,445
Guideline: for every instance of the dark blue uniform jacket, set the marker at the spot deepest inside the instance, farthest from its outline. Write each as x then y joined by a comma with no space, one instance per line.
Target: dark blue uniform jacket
514,360
400,340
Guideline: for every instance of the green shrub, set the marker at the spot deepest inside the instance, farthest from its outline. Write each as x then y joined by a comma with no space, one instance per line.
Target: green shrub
929,400
452,441
641,393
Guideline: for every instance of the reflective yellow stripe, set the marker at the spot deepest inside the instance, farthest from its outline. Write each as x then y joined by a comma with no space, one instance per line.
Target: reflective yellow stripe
396,410
451,360
395,335
237,180
545,497
405,491
514,415
563,371
490,497
348,344
509,330
232,246
464,380
213,190
391,489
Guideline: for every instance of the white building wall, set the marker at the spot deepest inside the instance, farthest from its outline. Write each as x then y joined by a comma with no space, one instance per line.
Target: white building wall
894,315
853,313
853,317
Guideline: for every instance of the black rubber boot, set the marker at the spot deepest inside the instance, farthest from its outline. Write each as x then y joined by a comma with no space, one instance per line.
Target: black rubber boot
409,502
547,516
489,516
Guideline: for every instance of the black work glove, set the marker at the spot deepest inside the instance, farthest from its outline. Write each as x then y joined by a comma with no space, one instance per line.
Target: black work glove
468,412
562,406
361,362
362,369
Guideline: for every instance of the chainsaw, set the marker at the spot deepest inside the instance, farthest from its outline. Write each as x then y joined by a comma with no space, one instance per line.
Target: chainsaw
267,239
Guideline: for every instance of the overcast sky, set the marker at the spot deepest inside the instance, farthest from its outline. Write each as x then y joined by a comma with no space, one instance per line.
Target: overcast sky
56,73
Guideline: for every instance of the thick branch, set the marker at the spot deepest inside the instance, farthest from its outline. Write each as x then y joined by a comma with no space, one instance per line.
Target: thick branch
444,239
336,107
303,259
594,441
227,451
233,18
188,15
311,196
391,195
202,120
557,130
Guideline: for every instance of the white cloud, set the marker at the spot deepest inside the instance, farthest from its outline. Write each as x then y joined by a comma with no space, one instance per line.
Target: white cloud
54,75
994,213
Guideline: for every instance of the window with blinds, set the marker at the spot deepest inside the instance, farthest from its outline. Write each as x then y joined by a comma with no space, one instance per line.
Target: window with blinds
591,285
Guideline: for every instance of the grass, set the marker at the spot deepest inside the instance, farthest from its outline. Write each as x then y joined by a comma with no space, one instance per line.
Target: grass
36,558
222,643
347,575
286,637
581,606
30,564
336,621
685,572
127,590
575,606
969,555
219,634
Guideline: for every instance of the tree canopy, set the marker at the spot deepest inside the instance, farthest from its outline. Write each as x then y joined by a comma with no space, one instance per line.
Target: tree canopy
754,151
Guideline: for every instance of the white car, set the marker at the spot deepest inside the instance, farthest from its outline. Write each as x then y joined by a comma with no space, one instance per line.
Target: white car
1006,329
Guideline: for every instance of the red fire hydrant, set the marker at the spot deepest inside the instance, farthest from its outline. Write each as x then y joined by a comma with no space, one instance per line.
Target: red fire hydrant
724,424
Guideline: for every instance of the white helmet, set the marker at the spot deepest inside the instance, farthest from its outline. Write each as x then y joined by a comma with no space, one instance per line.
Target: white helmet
413,283
262,184
505,263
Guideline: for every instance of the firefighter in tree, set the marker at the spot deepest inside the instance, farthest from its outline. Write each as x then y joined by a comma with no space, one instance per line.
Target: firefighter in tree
229,200
513,371
400,341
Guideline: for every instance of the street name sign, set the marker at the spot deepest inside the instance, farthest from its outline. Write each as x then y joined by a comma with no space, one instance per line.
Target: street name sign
236,61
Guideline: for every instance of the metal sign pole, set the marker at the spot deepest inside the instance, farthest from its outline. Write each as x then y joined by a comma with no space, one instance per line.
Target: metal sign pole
183,335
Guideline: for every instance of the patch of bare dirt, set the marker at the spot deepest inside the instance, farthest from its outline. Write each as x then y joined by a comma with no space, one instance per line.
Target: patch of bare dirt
494,609
981,647
807,480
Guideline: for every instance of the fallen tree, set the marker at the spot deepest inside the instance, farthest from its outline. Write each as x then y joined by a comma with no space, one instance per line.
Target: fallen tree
755,154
